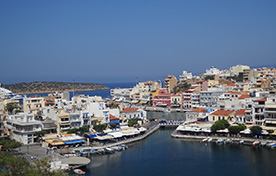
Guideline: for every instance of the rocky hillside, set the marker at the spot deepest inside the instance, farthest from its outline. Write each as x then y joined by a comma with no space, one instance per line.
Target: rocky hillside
46,87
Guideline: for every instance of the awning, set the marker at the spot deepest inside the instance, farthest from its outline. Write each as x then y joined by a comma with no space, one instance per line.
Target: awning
55,142
116,134
91,136
270,121
143,102
106,137
73,142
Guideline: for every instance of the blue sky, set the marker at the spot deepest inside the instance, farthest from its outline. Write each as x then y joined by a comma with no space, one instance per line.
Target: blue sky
117,41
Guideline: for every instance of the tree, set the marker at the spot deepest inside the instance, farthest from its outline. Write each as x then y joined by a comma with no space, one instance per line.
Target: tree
236,129
220,124
210,77
133,121
80,130
100,127
256,129
19,166
10,144
113,125
270,131
10,107
181,87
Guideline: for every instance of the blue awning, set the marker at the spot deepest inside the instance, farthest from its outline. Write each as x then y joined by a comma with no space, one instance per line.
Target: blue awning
73,142
91,136
103,134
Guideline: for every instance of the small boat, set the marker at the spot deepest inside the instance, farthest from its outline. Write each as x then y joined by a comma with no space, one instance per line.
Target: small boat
205,140
117,148
124,146
109,150
227,141
263,143
209,140
255,143
273,146
79,171
241,142
220,141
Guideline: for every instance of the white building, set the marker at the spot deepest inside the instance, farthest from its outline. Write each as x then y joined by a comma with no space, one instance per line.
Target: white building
212,71
22,127
185,75
238,69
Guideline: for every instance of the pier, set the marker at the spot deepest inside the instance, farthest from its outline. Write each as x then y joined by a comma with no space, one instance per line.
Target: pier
170,123
152,127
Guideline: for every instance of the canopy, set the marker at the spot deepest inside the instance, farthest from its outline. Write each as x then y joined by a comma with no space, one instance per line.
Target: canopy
106,137
246,131
116,134
91,136
73,142
223,131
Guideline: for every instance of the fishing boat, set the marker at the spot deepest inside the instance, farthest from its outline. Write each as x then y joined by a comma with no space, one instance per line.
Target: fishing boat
109,150
79,171
124,146
117,148
255,143
227,141
220,141
241,142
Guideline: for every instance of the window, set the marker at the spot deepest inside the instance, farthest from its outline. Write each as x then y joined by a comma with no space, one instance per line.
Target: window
213,118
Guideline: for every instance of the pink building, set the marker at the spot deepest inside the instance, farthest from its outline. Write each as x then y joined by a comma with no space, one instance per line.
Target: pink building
163,99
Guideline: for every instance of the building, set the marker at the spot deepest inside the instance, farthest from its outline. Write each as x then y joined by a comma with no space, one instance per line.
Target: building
239,117
197,114
33,105
22,127
163,99
3,130
221,115
130,113
176,100
170,83
185,75
238,69
212,71
270,111
210,97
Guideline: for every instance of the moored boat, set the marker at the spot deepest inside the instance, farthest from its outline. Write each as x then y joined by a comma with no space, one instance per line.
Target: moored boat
255,143
210,140
219,141
79,171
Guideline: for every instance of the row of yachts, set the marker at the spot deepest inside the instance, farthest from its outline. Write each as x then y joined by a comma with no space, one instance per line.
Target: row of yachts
268,144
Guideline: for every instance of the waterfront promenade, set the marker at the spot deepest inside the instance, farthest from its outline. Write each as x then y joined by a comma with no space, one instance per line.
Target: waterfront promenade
151,128
246,141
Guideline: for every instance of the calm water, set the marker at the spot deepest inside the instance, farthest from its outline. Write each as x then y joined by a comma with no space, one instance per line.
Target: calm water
160,154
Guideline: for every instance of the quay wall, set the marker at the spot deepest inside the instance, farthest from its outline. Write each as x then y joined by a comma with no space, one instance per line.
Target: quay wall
247,141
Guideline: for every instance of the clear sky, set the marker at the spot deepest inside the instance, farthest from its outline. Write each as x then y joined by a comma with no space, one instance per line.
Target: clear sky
117,41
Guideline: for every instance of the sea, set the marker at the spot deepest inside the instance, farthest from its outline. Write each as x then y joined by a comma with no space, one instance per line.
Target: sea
162,155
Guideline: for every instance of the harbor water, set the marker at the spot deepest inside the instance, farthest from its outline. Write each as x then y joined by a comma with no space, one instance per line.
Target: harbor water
160,154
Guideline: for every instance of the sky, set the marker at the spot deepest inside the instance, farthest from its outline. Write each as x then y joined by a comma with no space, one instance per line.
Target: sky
124,41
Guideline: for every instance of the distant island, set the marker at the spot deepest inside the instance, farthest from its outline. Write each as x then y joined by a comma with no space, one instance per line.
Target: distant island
47,87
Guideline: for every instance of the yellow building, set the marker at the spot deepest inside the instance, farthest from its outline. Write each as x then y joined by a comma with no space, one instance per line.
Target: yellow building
63,123
33,105
170,82
221,115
